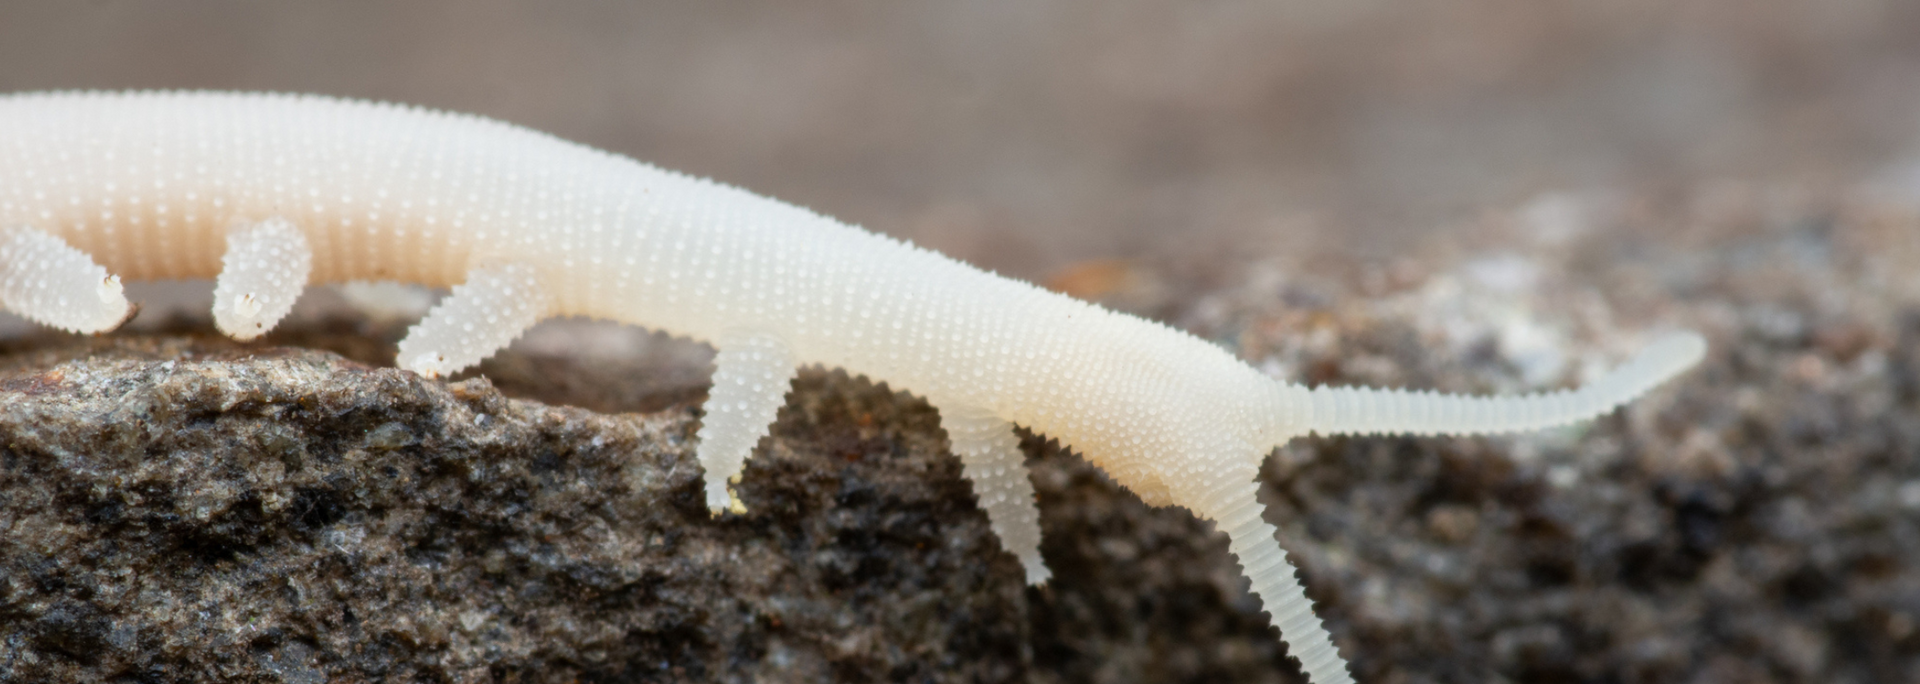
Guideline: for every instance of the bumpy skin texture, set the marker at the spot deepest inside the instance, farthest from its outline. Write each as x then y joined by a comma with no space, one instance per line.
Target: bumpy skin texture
263,272
57,285
150,185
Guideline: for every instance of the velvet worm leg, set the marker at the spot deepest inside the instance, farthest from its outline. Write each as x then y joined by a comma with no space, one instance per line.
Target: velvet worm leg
1346,410
265,268
1352,410
480,317
1274,580
990,457
47,281
752,373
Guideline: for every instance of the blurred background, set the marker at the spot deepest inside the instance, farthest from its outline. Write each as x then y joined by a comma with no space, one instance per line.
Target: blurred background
1025,135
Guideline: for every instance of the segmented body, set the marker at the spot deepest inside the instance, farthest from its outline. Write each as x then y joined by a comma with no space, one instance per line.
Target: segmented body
526,226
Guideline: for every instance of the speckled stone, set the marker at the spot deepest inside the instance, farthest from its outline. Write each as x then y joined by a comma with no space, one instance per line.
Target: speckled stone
178,509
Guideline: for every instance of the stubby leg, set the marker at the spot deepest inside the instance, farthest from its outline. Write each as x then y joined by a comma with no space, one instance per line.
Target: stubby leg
264,270
990,457
1275,581
752,373
47,281
480,317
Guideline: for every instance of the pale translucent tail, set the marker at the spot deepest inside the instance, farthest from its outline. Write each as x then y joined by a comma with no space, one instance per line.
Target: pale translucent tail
1353,410
1274,581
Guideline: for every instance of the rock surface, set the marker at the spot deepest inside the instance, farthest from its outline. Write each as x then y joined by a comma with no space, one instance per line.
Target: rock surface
179,508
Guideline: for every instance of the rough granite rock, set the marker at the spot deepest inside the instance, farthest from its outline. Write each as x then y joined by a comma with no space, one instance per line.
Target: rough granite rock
179,508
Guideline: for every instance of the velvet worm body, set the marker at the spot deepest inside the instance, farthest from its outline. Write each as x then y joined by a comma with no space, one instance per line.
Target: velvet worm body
269,193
